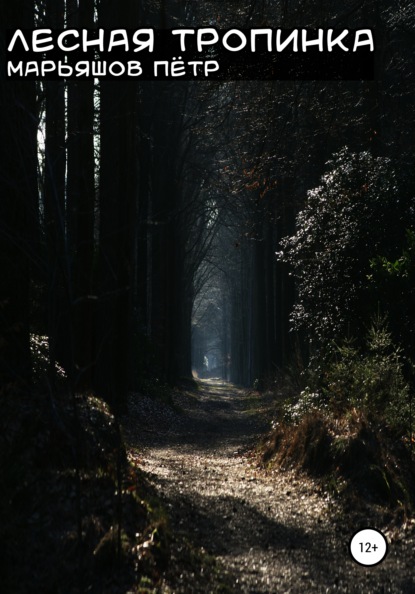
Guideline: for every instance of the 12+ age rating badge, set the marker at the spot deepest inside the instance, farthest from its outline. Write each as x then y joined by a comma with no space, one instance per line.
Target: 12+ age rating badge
368,547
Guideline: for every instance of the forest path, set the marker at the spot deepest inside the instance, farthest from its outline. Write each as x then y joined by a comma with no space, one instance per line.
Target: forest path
263,532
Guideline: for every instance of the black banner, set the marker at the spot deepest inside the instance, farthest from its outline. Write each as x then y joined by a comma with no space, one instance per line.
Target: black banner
191,54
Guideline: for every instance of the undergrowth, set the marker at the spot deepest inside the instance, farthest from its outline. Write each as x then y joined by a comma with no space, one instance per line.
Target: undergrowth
352,425
77,513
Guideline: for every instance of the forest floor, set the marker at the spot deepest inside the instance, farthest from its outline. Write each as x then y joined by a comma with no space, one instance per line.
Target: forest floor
236,527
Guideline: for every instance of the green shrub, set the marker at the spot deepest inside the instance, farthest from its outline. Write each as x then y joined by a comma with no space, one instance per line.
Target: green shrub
347,222
371,379
307,402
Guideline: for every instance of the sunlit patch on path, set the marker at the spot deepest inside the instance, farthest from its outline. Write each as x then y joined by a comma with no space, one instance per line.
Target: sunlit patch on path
266,532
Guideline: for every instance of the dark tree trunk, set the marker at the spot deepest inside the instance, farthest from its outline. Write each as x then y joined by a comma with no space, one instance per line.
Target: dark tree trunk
58,281
258,345
167,256
181,313
142,256
81,204
18,212
285,293
117,201
242,318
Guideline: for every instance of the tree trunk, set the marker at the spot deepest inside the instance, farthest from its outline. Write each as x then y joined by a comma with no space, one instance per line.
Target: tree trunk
118,202
81,204
54,206
18,213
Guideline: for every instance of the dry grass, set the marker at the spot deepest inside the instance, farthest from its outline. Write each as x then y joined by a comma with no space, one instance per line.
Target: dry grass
357,457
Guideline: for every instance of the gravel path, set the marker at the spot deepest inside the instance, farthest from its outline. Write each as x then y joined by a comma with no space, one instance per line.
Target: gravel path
255,532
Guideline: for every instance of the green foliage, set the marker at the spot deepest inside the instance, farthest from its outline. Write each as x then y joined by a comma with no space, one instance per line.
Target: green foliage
308,402
393,282
370,379
347,221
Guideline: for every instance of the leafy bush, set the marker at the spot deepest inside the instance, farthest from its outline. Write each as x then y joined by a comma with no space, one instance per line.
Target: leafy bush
369,378
392,281
308,402
346,222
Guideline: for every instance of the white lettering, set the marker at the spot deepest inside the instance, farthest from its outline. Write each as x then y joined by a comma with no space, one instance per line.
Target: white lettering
162,63
99,68
38,44
201,41
368,41
195,64
82,68
211,66
119,65
177,68
32,68
307,43
182,34
14,69
337,41
62,36
122,33
292,38
16,36
148,43
256,32
61,68
87,43
238,34
47,66
134,69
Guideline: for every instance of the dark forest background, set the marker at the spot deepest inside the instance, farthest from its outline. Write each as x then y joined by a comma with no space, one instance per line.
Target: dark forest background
156,232
139,215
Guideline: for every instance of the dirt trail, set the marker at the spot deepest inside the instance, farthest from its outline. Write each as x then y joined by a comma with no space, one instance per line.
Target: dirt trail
264,533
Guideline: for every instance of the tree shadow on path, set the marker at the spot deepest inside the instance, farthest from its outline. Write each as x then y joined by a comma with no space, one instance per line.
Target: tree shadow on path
263,538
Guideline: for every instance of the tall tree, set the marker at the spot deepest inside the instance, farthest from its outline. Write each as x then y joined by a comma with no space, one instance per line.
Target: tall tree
81,205
18,210
117,202
57,264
